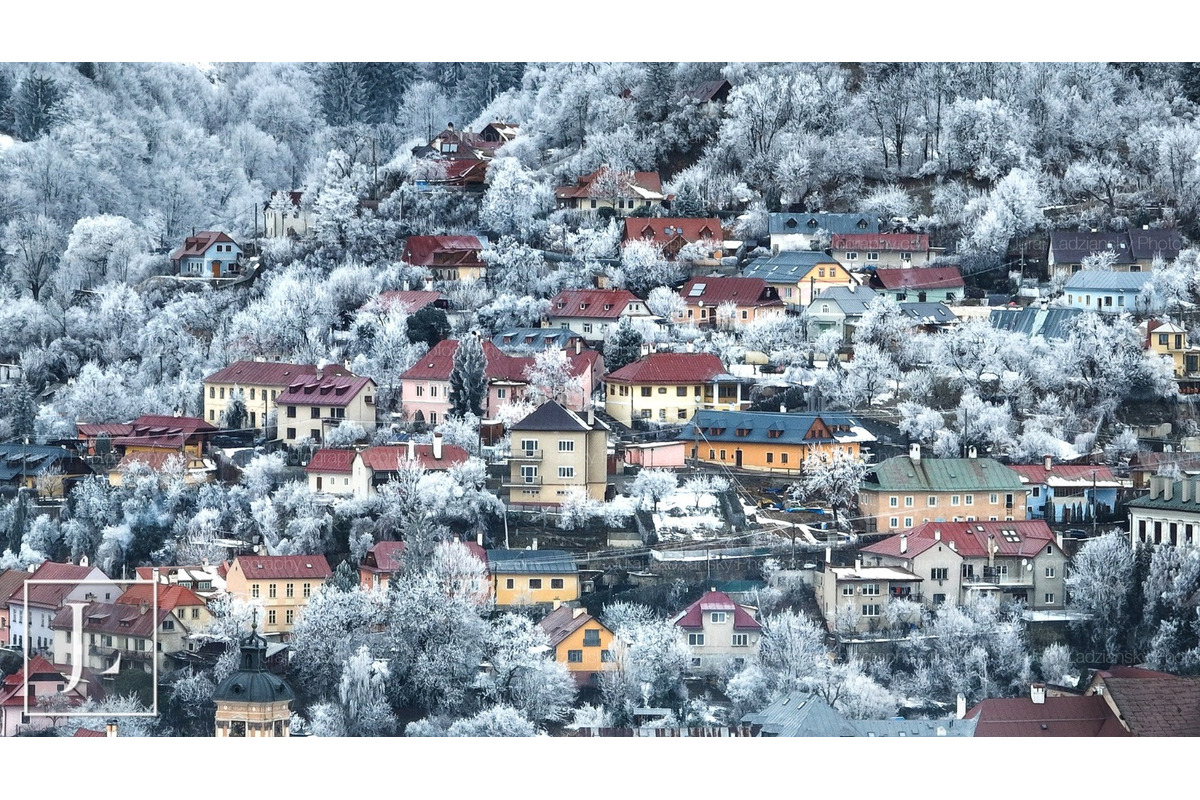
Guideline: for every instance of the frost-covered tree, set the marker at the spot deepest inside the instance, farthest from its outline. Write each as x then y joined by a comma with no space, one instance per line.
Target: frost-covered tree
654,485
622,346
1099,584
835,479
468,379
550,377
665,303
515,199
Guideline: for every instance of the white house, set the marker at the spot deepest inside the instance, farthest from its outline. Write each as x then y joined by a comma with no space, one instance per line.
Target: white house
1106,292
718,631
208,254
79,584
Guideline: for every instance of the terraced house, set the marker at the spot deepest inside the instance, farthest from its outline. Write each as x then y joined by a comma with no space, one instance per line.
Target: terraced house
905,491
261,383
770,442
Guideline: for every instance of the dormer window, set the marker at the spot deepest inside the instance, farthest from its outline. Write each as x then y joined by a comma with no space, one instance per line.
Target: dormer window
743,431
608,306
813,224
774,433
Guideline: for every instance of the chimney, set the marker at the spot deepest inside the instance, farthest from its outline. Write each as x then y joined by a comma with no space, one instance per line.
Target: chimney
1168,488
1185,490
1047,462
412,450
962,706
1155,486
578,346
991,548
1037,693
937,535
972,452
143,607
828,554
437,447
576,613
449,126
903,543
851,287
557,604
1059,539
953,546
783,408
534,545
858,564
110,728
479,539
591,418
914,452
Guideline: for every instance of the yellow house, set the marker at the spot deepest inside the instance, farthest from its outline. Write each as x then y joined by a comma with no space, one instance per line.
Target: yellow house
530,577
670,387
772,442
1171,340
799,275
282,585
580,641
260,382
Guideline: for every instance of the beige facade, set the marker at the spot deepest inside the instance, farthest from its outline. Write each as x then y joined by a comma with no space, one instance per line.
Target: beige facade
855,599
282,586
720,634
675,403
313,417
554,452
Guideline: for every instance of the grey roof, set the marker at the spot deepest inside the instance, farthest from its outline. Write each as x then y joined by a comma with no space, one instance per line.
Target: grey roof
793,427
1071,247
550,416
512,340
928,313
32,459
1102,280
1147,243
530,561
822,220
851,303
805,714
1049,323
788,266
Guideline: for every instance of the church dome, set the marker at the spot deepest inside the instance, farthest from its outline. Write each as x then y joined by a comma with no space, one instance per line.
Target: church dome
252,683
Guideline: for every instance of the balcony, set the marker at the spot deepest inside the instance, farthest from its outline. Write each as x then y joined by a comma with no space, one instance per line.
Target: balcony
990,576
526,455
525,481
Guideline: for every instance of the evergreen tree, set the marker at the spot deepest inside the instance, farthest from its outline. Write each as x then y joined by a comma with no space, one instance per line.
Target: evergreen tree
384,84
468,383
688,203
36,106
656,92
235,415
484,81
624,347
21,409
429,325
343,96
5,107
345,578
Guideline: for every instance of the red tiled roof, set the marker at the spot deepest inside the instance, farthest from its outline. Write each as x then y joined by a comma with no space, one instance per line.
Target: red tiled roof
437,364
1036,473
648,181
387,457
11,581
662,230
170,596
1166,706
741,291
693,615
1119,671
198,245
670,368
384,557
269,373
284,566
407,301
336,391
340,461
883,242
427,251
158,430
84,733
891,546
90,429
920,278
127,620
591,303
51,595
11,690
563,621
1057,716
971,538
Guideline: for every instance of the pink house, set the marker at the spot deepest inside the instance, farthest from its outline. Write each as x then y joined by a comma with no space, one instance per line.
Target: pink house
425,388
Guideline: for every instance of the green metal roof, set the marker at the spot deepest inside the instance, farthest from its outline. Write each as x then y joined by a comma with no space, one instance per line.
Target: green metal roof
900,474
1176,503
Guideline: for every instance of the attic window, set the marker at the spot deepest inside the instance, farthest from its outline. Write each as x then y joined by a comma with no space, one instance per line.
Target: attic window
862,224
582,306
743,431
608,306
774,433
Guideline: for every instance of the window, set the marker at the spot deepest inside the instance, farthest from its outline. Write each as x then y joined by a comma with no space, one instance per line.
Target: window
195,613
212,392
931,501
1049,572
770,458
606,656
662,390
993,499
908,522
251,393
222,393
591,637
969,499
271,590
291,412
168,625
254,590
575,656
820,272
1049,597
953,499
893,522
871,589
718,617
712,454
893,502
535,583
290,590
271,616
740,640
783,458
566,472
529,473
696,639
529,446
872,256
587,327
939,573
509,584
851,256
307,590
870,610
908,502
566,446
314,412
433,391
848,590
289,616
556,583
722,455
938,599
141,643
646,391
681,414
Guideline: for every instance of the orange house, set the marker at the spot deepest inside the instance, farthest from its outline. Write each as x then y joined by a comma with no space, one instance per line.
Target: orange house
580,641
771,442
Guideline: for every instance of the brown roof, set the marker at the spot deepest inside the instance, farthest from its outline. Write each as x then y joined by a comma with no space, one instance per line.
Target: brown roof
170,596
408,301
647,182
340,461
591,303
126,620
430,251
198,245
1010,538
920,278
11,581
1167,706
663,230
563,621
437,364
693,616
51,595
269,373
740,291
386,458
1058,716
670,368
284,566
337,391
158,430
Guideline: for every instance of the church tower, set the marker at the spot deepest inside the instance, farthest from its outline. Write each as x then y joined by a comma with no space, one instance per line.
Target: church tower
252,701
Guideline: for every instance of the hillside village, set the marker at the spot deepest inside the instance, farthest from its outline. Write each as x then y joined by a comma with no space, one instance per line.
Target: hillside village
600,401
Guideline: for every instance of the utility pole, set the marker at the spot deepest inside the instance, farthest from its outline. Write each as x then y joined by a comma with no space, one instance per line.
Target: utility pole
1095,506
